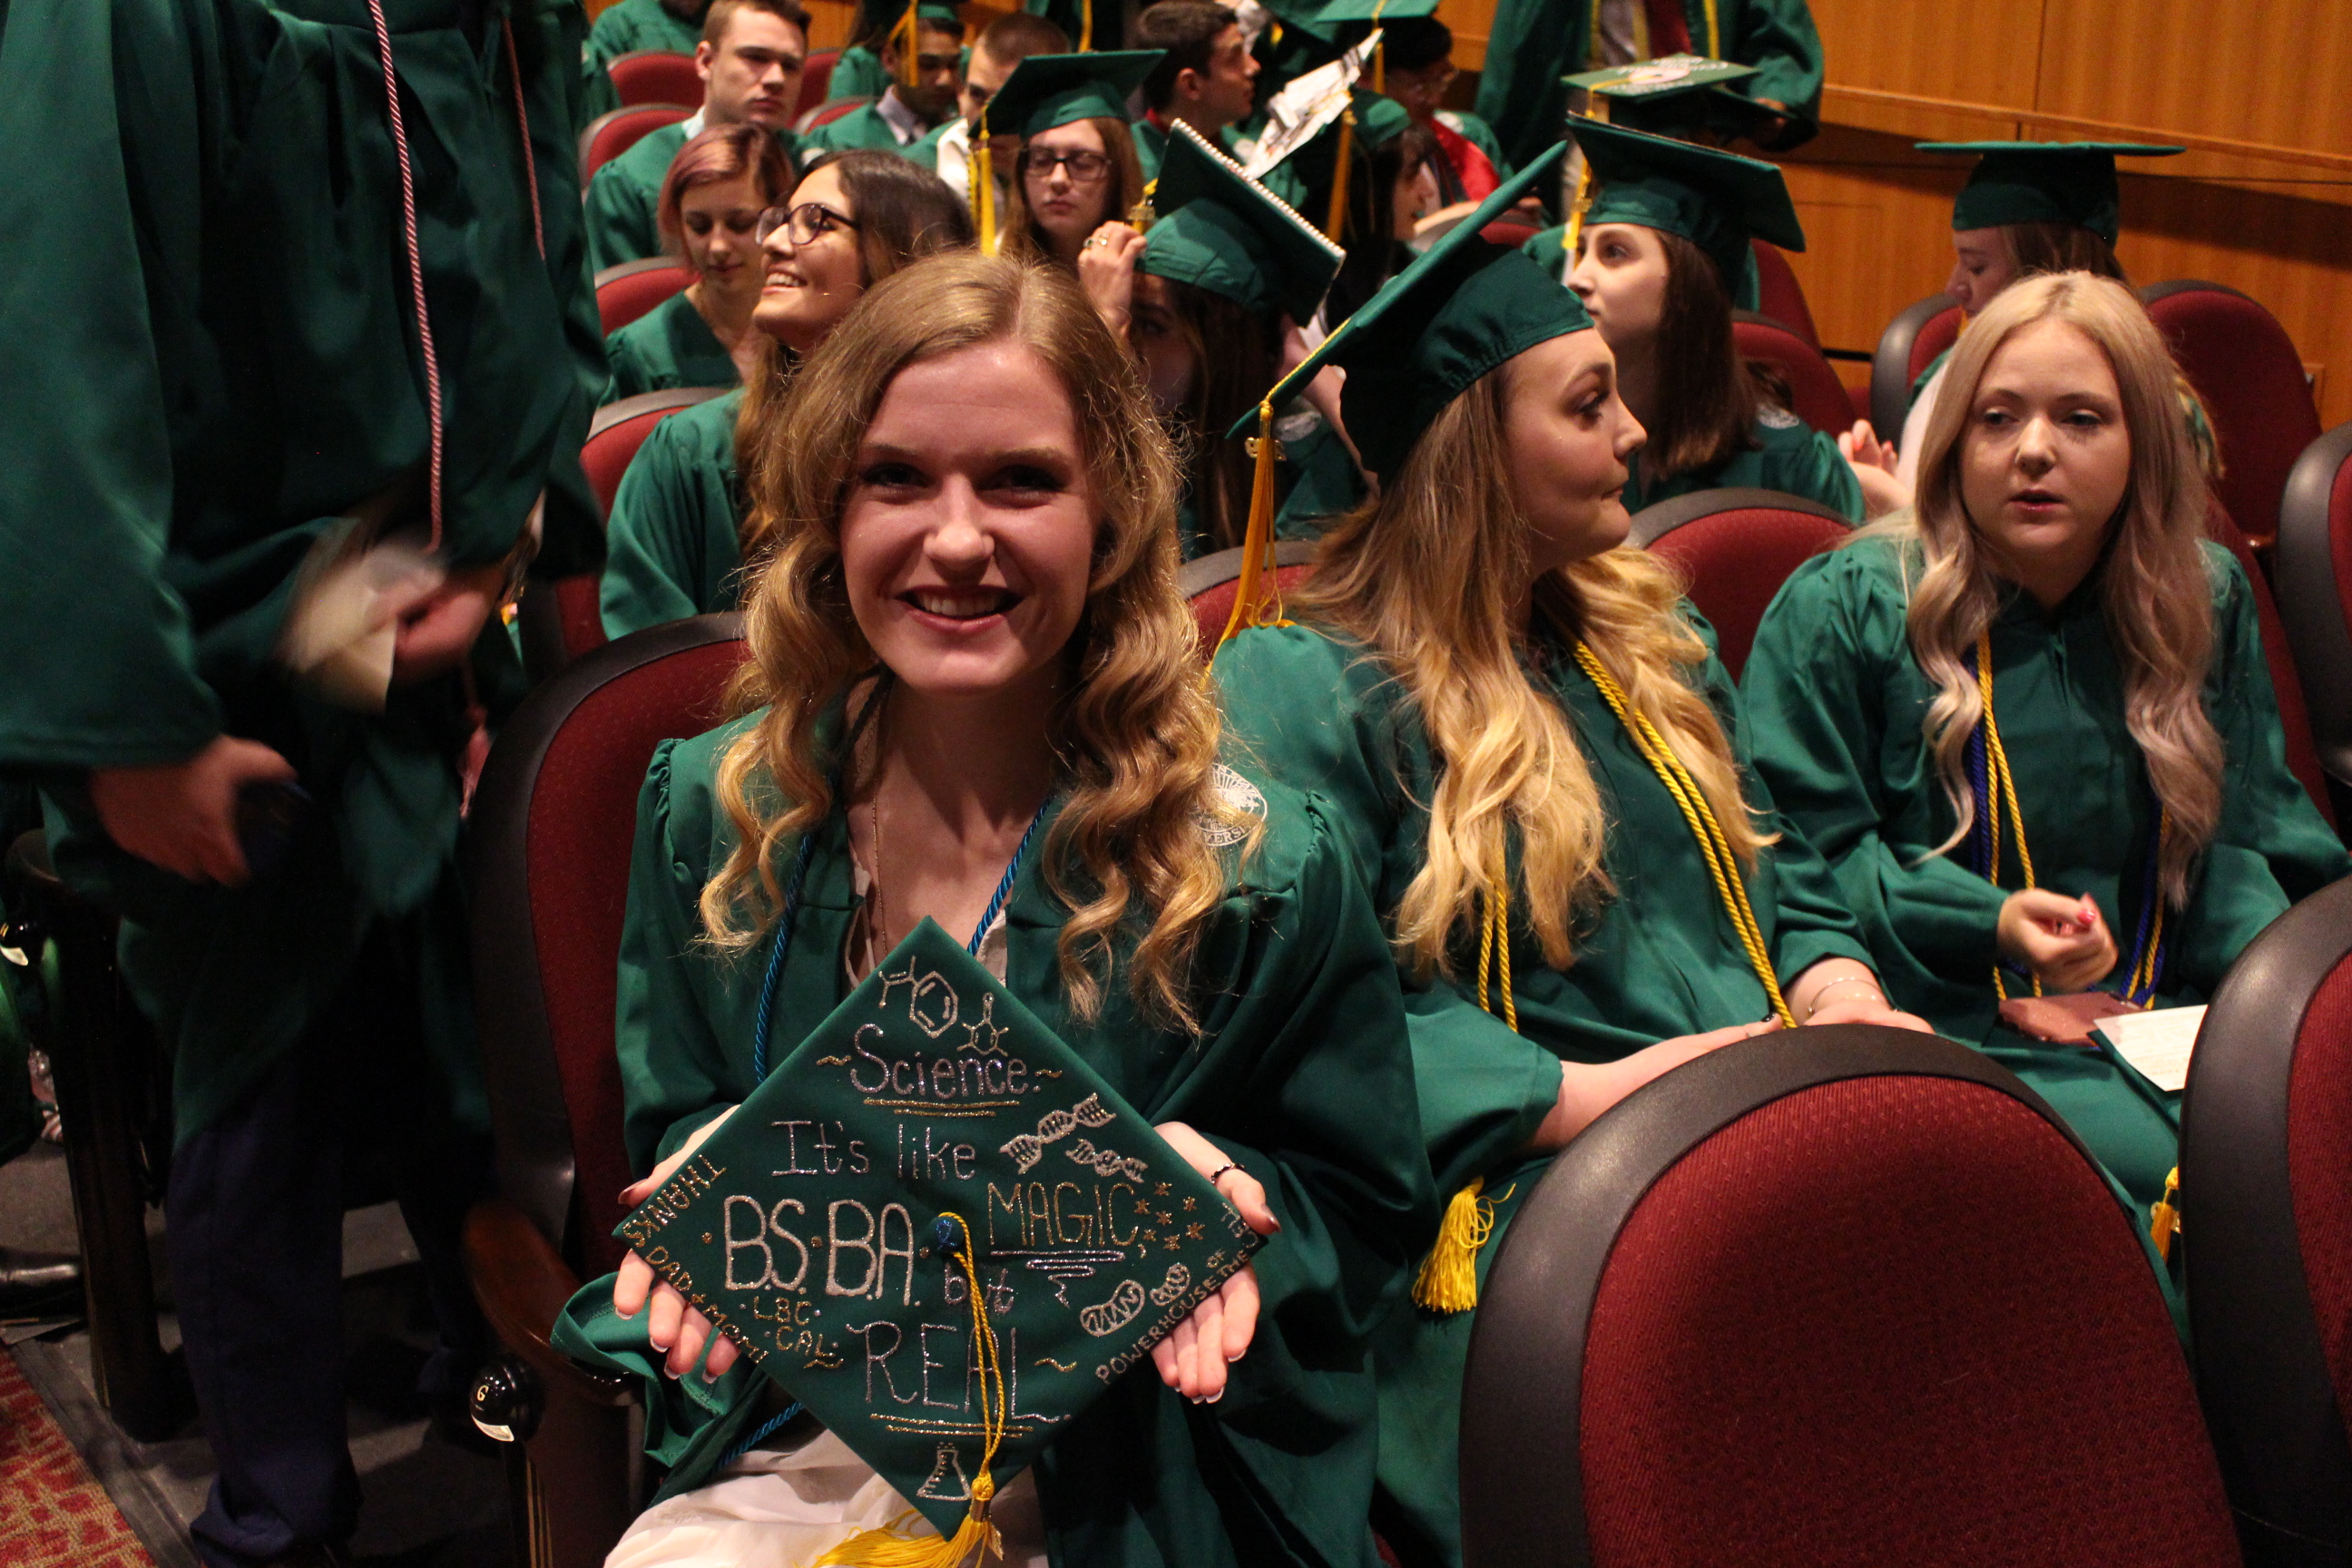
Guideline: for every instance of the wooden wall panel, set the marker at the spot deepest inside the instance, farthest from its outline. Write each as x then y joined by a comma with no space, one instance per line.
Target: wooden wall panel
1907,46
2247,69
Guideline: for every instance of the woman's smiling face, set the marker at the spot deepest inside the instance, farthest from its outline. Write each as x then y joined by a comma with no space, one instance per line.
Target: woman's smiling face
968,539
809,288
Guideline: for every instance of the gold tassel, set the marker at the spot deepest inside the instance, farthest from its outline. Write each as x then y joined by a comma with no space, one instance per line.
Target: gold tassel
1086,26
981,175
1257,589
2164,1215
1448,1281
1599,109
909,67
1338,219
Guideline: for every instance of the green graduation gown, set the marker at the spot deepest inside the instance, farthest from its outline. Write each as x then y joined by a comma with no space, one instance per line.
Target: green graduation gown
673,546
624,194
669,345
211,358
857,73
1659,959
1301,1073
626,27
1837,702
865,129
1788,454
1535,43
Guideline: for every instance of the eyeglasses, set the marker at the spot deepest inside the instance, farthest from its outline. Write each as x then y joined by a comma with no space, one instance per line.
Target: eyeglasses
801,224
1085,168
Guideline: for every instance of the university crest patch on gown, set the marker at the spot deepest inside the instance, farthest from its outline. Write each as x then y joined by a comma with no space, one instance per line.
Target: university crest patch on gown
929,1132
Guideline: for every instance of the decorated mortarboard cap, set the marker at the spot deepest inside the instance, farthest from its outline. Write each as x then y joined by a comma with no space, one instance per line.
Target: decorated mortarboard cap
1325,18
1460,309
1682,95
940,1231
1047,90
1222,231
2045,182
1717,200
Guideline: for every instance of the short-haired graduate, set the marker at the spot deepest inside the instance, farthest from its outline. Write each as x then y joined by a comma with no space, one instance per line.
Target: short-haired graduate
972,699
2030,723
679,542
1228,272
718,186
1527,738
918,97
1206,77
751,56
998,52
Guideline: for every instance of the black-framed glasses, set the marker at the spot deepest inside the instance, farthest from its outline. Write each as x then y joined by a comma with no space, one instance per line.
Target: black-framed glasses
1086,168
801,224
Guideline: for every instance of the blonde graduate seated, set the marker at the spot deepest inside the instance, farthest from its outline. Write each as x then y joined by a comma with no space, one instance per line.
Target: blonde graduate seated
1503,704
2030,723
971,674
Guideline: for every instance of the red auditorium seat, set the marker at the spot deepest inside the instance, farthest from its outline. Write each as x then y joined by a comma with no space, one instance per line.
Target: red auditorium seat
2302,755
620,428
816,75
609,135
628,290
2314,574
1783,297
1839,1296
1817,396
2245,367
551,829
654,76
1906,349
826,113
1210,581
2266,1188
1735,548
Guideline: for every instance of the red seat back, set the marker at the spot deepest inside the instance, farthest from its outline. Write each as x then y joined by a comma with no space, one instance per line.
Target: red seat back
627,292
1743,1318
1906,349
827,112
1780,296
1816,395
816,75
609,135
2315,600
1735,548
2246,369
2264,1186
2278,655
654,76
620,428
553,823
1211,584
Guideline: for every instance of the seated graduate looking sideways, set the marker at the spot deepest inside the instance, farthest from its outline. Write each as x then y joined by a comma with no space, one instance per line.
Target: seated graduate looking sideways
913,103
719,184
973,672
1227,274
1207,77
676,541
2028,207
2031,723
1663,245
999,50
749,59
1077,180
1499,701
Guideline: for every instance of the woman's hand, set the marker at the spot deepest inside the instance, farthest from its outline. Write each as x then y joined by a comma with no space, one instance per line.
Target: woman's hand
1842,991
1586,1090
2061,941
1194,1357
1873,461
183,815
1106,272
673,1326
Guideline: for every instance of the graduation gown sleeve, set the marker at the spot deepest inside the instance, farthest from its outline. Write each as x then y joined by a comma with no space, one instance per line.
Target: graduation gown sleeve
672,550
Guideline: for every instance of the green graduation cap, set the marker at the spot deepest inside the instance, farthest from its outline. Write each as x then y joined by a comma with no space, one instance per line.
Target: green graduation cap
2045,182
1715,199
1463,308
1047,90
1325,19
1682,95
1222,231
940,1231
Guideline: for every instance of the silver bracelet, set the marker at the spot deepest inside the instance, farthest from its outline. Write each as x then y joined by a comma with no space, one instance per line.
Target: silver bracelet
1824,994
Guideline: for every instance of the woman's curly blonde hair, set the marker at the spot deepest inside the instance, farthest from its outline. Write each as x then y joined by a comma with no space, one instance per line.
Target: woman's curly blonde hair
1134,736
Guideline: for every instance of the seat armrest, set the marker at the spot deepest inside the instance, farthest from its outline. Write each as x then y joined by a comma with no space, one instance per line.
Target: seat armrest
523,1283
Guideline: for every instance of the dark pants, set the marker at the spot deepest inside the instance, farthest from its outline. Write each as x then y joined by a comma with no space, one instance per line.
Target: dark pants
254,1228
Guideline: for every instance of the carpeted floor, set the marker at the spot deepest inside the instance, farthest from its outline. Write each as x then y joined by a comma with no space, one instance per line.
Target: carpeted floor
53,1513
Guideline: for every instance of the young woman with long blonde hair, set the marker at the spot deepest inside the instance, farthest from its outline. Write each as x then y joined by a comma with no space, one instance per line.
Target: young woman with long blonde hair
1503,706
971,695
2029,721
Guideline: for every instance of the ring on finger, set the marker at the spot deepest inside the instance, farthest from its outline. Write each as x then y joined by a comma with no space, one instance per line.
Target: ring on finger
1220,1171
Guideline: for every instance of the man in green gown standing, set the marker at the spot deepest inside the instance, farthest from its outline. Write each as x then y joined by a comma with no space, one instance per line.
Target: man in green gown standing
751,57
223,390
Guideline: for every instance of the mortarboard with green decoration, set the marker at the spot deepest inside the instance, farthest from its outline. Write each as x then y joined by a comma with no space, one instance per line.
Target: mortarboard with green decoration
1222,231
2045,182
942,1233
1717,200
1680,95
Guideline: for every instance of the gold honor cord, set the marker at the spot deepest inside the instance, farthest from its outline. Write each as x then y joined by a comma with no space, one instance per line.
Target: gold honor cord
895,1546
2004,791
1721,863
